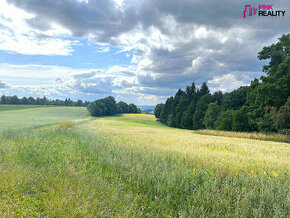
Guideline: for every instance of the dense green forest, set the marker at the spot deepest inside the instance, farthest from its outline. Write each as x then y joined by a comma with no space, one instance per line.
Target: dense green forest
108,106
262,106
41,101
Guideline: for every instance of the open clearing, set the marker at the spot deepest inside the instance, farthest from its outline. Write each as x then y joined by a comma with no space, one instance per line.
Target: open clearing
10,107
215,152
132,166
22,116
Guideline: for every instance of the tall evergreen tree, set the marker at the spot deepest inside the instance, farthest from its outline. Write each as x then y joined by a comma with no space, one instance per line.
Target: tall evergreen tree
166,109
173,110
203,90
218,97
180,109
191,92
201,107
211,115
158,109
186,121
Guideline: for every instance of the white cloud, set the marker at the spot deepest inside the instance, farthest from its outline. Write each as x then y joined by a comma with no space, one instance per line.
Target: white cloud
88,84
27,45
32,74
119,3
173,42
197,63
225,83
19,37
103,49
201,32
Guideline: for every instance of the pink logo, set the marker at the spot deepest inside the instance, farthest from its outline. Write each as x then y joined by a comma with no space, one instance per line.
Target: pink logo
253,11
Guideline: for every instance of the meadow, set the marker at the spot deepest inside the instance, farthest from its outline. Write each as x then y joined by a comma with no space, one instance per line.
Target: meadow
24,116
10,107
132,166
276,137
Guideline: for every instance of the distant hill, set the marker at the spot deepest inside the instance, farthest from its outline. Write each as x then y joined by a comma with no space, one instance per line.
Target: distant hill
146,109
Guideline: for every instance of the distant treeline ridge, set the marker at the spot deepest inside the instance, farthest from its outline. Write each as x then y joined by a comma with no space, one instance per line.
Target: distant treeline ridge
101,107
41,101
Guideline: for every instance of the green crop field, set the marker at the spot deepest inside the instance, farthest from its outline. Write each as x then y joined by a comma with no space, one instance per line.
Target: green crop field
7,107
132,166
22,116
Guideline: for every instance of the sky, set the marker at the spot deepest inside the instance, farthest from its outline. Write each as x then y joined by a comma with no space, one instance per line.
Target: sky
139,51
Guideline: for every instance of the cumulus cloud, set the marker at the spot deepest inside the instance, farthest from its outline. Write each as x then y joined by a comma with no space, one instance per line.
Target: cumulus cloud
30,35
225,82
61,82
92,85
101,17
174,42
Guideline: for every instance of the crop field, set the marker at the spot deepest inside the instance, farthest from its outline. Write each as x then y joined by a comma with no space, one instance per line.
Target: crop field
7,107
132,166
23,116
247,135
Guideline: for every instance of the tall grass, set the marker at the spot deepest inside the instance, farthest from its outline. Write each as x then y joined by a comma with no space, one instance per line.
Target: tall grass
218,153
64,125
83,172
248,135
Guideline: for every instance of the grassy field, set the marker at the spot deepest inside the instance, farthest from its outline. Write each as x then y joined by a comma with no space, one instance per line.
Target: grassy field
23,116
8,107
247,135
132,166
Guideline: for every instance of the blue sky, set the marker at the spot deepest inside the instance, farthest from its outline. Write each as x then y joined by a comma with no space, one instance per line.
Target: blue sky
138,51
85,55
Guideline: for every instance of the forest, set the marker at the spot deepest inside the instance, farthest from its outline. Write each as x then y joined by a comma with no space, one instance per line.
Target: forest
262,106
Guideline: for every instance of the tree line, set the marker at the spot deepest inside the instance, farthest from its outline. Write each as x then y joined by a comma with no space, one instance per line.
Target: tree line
108,106
41,101
262,106
101,107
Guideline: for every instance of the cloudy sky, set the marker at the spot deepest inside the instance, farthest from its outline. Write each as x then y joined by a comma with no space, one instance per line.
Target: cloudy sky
140,51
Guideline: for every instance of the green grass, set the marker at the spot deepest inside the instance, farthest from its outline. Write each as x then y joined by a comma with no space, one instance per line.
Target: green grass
8,107
30,116
132,166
